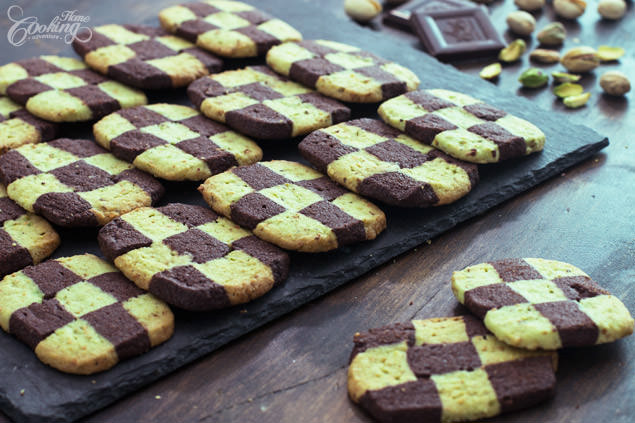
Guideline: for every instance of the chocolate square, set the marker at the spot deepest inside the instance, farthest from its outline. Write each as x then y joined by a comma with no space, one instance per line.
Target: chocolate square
401,15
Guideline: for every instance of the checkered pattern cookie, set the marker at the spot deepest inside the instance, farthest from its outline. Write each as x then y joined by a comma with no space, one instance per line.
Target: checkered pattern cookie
25,238
75,182
262,104
444,369
191,257
144,56
462,126
63,89
227,28
19,127
371,158
341,71
293,206
535,303
174,142
81,315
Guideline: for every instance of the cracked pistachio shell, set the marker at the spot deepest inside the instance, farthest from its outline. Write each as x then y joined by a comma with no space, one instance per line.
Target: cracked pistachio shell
543,55
612,9
562,77
615,83
491,71
521,22
530,5
568,89
569,9
580,59
552,35
575,101
513,51
362,10
608,53
533,78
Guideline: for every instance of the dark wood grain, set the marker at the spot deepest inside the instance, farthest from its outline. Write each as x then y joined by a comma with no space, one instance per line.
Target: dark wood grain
295,368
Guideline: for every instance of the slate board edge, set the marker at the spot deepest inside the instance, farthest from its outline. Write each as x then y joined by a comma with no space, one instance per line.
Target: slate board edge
152,371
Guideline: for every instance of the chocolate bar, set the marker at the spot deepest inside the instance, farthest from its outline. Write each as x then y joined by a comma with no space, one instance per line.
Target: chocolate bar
457,34
400,16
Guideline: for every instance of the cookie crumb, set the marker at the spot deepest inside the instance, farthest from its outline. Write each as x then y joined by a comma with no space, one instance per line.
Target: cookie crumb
157,397
21,392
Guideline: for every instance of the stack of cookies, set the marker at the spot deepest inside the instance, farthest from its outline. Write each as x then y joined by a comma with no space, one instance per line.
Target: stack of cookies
462,368
82,315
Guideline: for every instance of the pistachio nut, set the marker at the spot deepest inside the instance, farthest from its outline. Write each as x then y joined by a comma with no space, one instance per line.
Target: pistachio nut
533,78
575,101
615,83
612,9
543,55
608,54
513,51
580,59
552,35
491,71
568,89
362,10
562,77
569,9
530,5
521,22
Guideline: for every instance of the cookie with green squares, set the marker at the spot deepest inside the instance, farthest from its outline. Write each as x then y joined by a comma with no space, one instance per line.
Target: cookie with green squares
191,257
341,71
536,303
227,28
174,142
74,182
19,127
262,104
377,161
293,206
81,315
25,238
444,369
63,89
144,56
462,126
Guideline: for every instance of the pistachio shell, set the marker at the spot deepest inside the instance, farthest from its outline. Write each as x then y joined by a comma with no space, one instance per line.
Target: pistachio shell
575,101
568,89
521,22
491,71
580,59
612,9
362,10
529,5
552,35
615,83
513,51
569,9
608,53
562,77
543,55
533,78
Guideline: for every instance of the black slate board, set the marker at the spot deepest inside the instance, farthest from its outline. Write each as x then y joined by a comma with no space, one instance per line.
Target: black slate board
53,396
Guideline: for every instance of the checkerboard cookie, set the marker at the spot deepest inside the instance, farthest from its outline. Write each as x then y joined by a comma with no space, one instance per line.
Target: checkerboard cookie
371,158
535,303
444,369
262,104
75,182
25,238
341,71
19,127
227,28
293,206
191,257
63,89
462,126
144,56
81,315
174,142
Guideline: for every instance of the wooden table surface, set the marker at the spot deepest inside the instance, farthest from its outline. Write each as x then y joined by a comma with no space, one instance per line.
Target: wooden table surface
294,369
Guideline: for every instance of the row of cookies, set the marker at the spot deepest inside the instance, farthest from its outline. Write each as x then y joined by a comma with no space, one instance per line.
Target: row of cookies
461,368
